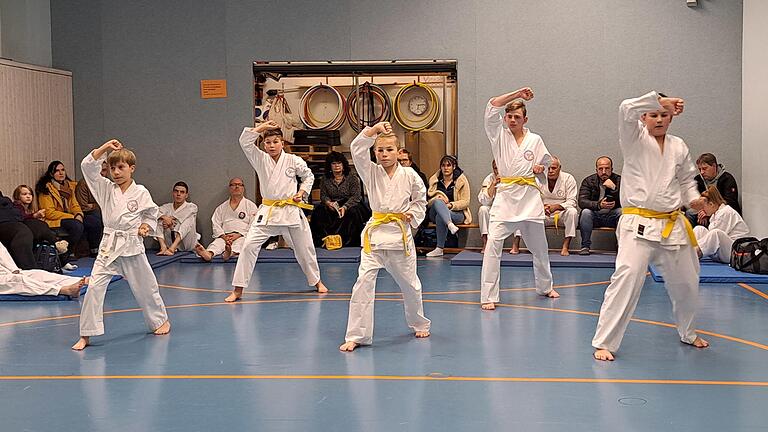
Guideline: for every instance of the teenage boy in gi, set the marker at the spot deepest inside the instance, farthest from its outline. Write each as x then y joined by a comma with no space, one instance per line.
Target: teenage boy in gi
398,199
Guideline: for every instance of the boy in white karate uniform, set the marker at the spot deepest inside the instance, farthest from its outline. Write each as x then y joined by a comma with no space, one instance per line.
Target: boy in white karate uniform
14,280
519,154
129,215
280,212
725,226
657,179
230,222
176,226
398,199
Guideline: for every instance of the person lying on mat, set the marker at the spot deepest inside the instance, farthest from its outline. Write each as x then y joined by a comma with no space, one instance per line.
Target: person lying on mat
14,280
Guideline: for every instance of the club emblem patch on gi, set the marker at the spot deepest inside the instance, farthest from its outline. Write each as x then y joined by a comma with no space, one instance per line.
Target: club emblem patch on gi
241,215
560,193
528,155
290,172
133,205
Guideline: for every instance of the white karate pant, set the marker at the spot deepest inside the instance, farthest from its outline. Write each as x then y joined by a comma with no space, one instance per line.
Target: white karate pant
189,237
714,243
218,245
680,269
568,219
140,277
303,248
483,219
535,239
34,282
403,271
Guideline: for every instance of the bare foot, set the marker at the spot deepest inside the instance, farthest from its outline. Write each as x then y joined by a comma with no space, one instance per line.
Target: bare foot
348,346
515,246
321,288
564,252
514,250
422,334
166,252
603,355
700,343
202,253
163,329
488,306
81,343
235,295
162,251
227,252
74,289
552,294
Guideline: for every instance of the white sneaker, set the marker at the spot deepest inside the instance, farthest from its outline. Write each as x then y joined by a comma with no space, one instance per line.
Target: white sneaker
438,252
271,246
452,228
69,267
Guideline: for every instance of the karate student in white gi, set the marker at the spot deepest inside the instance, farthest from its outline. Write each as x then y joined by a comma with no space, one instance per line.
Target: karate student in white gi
14,280
176,226
519,154
560,196
280,212
657,179
129,215
485,198
398,199
725,226
230,222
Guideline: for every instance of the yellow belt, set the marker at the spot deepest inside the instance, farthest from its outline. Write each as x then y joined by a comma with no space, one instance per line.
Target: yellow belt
557,218
671,217
383,218
282,203
523,181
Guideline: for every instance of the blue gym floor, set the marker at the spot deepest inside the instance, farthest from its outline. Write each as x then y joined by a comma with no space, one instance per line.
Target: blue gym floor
271,362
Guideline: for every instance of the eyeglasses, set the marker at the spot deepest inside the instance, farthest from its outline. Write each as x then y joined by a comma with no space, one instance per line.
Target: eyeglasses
236,185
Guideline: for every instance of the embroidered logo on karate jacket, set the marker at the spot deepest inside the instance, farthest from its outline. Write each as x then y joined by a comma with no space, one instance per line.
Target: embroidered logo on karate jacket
133,205
528,155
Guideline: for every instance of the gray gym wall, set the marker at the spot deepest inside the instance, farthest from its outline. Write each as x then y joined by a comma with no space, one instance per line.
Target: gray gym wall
137,67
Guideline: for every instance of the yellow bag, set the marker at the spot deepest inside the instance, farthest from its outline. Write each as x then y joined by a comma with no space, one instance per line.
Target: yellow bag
332,242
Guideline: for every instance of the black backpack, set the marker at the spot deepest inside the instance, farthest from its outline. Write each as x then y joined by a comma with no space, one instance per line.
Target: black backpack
750,255
47,258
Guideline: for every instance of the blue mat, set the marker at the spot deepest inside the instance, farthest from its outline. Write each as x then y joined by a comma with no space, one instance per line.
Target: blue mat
714,272
84,268
524,259
343,255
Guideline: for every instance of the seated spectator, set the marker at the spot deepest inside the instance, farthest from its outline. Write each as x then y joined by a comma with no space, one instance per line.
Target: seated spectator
94,227
712,173
405,158
177,223
725,226
56,195
341,211
14,280
599,201
485,198
23,199
230,222
15,235
447,201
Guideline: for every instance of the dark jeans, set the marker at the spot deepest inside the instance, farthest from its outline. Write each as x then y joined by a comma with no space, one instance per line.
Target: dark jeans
40,231
94,227
73,229
18,239
327,222
590,219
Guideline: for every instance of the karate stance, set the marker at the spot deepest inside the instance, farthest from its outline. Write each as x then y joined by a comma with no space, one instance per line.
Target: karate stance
280,211
398,200
129,215
519,154
14,280
658,178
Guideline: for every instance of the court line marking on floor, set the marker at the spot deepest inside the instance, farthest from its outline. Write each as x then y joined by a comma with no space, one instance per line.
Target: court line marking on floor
458,302
563,380
753,290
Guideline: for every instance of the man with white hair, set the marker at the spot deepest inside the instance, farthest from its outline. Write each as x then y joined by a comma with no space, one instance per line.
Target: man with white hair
230,223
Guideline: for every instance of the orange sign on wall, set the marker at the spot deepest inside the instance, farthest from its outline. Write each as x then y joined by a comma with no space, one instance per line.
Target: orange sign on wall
210,89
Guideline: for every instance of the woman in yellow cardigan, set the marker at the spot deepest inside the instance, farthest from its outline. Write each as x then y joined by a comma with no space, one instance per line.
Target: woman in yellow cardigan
56,194
448,201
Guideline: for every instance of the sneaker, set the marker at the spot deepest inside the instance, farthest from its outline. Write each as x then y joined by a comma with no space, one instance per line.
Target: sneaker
69,267
271,246
61,246
438,252
452,228
584,251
